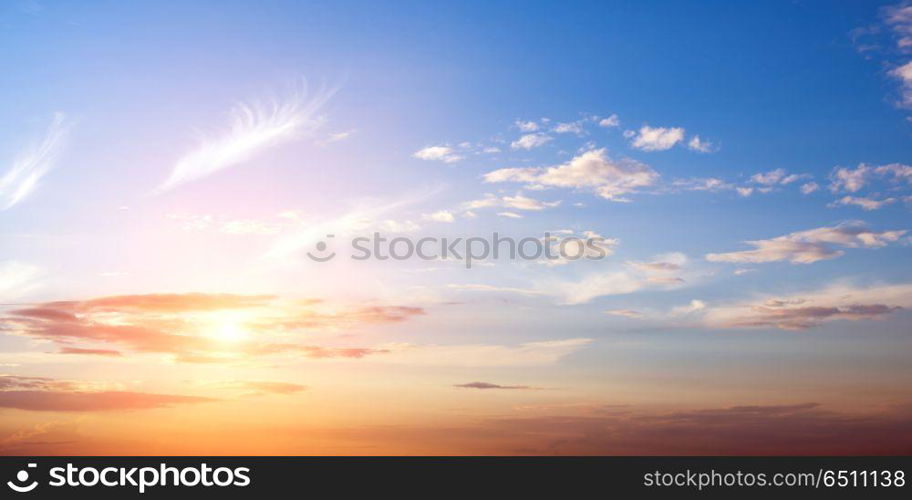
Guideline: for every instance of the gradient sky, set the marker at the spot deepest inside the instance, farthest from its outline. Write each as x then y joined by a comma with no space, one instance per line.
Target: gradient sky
166,166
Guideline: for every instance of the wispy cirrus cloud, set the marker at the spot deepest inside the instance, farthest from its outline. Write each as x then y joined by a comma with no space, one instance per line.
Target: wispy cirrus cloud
33,163
254,126
807,247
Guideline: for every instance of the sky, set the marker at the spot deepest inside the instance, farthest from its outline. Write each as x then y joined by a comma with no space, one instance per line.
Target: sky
169,170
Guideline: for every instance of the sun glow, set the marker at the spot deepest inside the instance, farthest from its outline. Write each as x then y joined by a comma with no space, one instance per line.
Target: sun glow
230,331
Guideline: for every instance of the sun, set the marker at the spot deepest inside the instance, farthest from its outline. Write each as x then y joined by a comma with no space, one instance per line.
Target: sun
230,331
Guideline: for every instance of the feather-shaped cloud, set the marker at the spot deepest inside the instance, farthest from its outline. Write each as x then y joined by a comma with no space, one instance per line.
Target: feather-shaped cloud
254,126
32,164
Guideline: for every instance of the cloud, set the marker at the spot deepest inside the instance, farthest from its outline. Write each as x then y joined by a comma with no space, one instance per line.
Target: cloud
625,313
530,141
258,388
850,180
656,138
809,187
776,177
45,394
509,215
33,163
806,247
661,272
254,127
527,126
541,353
693,307
811,309
91,352
441,216
445,154
697,144
611,121
591,170
867,204
188,327
487,385
518,202
569,128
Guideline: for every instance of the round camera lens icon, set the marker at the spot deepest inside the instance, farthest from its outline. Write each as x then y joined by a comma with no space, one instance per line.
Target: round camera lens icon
22,477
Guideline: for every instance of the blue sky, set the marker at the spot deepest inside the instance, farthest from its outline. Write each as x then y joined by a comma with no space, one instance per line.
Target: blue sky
679,131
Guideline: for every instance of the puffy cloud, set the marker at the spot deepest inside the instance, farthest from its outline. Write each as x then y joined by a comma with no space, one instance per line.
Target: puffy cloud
697,144
530,141
445,154
611,121
843,179
441,216
811,309
656,138
527,126
591,170
32,164
569,128
254,127
809,187
806,247
518,202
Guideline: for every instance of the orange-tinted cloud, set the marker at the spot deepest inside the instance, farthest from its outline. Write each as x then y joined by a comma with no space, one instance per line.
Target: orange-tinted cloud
46,394
187,326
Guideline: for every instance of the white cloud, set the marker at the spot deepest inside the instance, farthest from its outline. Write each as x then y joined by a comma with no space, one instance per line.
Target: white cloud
806,247
527,126
865,203
809,187
611,121
445,154
657,138
594,170
254,127
697,144
441,216
509,215
849,180
694,306
530,141
32,164
519,202
568,128
904,74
